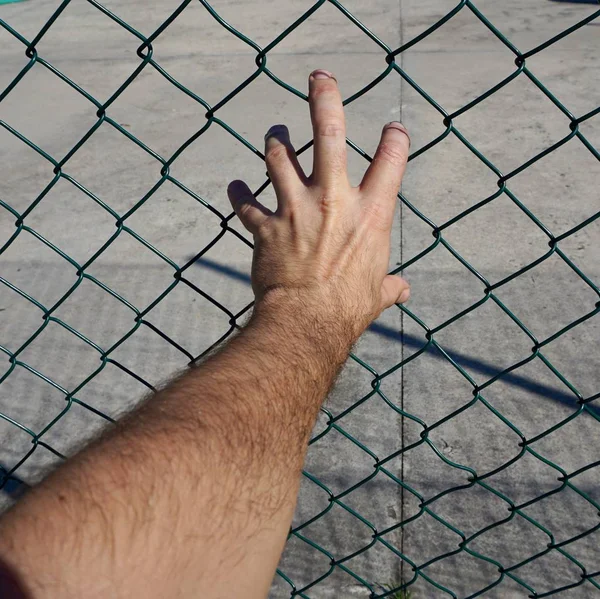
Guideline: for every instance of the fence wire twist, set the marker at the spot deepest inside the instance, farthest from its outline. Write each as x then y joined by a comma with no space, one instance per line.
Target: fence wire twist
390,68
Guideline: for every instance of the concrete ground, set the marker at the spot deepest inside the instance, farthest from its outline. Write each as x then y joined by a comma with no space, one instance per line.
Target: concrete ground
455,64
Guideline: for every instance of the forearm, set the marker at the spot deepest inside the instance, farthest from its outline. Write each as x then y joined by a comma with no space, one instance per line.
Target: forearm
195,488
192,495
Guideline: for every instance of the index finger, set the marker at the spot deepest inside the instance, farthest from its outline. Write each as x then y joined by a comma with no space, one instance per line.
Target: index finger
329,128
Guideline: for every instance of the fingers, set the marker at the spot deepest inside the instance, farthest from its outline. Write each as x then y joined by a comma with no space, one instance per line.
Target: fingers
381,182
250,211
394,290
284,169
329,128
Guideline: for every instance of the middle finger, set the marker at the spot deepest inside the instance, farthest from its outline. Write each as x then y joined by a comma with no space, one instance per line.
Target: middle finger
329,129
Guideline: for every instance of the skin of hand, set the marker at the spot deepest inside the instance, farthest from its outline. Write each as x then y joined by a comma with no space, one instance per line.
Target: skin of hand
327,242
192,494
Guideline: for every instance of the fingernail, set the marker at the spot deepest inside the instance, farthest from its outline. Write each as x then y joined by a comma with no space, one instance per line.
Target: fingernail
278,131
322,74
404,296
236,186
399,126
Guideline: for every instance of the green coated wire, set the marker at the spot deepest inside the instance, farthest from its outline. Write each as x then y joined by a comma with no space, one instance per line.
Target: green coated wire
391,66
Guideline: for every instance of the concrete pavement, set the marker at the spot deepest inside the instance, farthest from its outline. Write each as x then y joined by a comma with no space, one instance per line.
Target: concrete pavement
454,65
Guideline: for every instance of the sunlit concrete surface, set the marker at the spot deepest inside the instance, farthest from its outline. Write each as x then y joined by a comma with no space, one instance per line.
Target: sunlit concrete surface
454,65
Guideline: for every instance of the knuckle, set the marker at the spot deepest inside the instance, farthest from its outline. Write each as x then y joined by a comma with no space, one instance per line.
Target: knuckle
276,155
335,198
392,152
328,200
244,208
331,128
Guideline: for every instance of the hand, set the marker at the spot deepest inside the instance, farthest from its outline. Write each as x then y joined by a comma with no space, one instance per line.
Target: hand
327,243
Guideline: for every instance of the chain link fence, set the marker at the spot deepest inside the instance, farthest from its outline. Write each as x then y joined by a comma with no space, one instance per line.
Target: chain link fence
414,568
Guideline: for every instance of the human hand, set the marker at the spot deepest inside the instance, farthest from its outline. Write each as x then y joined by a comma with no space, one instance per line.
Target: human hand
328,243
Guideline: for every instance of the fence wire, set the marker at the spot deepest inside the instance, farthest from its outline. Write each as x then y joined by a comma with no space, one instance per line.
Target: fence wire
390,67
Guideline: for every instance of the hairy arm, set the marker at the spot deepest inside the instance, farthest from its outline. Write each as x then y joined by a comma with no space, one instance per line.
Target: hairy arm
192,494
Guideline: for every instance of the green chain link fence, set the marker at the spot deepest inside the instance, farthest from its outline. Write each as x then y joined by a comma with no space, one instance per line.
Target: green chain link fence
391,67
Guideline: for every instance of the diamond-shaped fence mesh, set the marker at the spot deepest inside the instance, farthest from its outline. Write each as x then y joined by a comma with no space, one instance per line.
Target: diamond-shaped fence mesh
68,373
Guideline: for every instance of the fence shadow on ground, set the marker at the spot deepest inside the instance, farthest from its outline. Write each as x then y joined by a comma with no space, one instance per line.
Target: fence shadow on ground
415,342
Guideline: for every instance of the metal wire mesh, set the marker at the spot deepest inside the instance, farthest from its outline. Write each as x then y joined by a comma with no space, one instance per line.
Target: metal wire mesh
390,67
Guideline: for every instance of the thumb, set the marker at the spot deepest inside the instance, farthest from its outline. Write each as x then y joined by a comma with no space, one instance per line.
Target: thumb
394,290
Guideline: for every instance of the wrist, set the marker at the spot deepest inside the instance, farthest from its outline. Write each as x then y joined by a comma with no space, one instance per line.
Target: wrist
308,317
302,345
